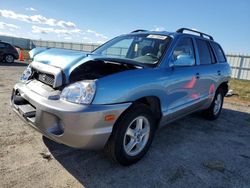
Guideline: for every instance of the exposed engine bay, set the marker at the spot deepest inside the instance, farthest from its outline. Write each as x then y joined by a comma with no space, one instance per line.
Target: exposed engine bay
95,69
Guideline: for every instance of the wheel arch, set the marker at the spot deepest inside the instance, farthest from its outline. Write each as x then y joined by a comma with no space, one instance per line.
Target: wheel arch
224,87
153,103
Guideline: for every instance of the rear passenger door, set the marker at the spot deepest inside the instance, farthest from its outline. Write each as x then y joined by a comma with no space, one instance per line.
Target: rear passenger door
208,68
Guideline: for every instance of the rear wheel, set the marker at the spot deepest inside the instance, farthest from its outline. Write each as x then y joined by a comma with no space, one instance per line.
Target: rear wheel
215,108
9,58
132,135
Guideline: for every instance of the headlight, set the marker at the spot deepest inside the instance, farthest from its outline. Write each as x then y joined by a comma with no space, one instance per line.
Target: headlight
26,74
80,92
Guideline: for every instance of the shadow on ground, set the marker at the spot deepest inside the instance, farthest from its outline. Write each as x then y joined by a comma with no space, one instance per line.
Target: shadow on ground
16,63
176,158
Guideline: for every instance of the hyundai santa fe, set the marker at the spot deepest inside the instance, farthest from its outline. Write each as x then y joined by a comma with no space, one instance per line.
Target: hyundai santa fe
117,96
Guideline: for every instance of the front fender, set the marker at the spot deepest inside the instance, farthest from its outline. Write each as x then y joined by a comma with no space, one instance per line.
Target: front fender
129,86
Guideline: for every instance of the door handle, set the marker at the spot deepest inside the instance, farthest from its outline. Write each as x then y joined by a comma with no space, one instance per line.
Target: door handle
219,72
197,75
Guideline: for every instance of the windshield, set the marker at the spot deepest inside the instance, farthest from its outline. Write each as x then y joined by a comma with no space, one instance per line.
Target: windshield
144,48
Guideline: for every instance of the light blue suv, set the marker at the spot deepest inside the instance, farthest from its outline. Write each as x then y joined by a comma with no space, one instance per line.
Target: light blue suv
117,96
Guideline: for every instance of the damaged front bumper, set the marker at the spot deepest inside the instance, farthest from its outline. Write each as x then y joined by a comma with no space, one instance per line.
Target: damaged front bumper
75,125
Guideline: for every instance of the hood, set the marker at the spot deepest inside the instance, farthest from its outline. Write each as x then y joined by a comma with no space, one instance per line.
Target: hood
79,65
61,58
67,60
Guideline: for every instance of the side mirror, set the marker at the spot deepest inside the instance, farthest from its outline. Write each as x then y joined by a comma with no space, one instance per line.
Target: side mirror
182,60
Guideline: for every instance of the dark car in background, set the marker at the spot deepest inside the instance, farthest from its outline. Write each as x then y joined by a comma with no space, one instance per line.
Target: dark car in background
8,53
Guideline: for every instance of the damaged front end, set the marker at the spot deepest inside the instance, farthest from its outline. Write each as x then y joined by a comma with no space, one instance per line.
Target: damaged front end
55,98
73,80
98,68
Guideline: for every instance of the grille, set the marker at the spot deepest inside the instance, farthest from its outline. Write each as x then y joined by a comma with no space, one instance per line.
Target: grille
45,78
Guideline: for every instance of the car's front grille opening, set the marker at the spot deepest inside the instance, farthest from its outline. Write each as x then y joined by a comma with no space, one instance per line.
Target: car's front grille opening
25,109
18,99
46,78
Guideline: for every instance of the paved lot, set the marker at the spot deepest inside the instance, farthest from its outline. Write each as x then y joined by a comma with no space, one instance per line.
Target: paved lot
191,152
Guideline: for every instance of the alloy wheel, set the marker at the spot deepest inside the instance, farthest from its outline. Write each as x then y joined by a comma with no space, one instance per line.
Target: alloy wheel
136,136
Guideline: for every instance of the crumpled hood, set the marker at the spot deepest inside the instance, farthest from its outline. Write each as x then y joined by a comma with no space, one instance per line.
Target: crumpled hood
68,60
61,58
72,65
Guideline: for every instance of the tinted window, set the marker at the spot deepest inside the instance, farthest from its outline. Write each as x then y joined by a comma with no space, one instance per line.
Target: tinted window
219,52
184,50
2,45
205,53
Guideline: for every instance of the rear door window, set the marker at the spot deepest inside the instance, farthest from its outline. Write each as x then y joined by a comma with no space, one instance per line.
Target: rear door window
205,53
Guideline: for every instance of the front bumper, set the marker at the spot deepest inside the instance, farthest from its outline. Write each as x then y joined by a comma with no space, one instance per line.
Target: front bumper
75,125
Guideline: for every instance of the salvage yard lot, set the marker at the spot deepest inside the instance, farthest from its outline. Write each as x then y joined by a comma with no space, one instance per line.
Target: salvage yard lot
191,152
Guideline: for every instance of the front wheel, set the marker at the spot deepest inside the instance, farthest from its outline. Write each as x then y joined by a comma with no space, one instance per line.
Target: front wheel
215,108
132,135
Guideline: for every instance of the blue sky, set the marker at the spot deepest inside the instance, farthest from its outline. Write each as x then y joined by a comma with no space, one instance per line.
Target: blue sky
97,21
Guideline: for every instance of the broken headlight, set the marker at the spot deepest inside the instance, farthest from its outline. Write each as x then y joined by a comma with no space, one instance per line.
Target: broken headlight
79,92
26,74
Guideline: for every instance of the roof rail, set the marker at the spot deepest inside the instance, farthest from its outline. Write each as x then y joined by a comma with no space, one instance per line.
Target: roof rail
138,30
181,30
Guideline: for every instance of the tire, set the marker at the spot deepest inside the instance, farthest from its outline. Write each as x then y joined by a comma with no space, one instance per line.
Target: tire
9,58
127,145
215,108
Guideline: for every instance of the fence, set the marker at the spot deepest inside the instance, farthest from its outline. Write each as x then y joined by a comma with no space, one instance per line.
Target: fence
28,44
66,45
240,64
20,42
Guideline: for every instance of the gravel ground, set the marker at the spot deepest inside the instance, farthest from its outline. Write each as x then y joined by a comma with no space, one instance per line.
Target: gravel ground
191,152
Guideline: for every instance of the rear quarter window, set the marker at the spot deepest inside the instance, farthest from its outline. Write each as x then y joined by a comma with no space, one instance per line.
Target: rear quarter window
219,52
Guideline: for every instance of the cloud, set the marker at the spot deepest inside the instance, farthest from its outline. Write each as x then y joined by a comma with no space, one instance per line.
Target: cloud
85,38
70,34
36,19
7,26
68,38
47,30
100,42
47,27
97,34
30,9
8,34
156,28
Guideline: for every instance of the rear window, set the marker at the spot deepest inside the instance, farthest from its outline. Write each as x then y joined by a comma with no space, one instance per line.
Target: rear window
219,52
205,53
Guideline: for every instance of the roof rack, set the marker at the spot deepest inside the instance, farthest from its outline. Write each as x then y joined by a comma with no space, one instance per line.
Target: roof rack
181,30
138,30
